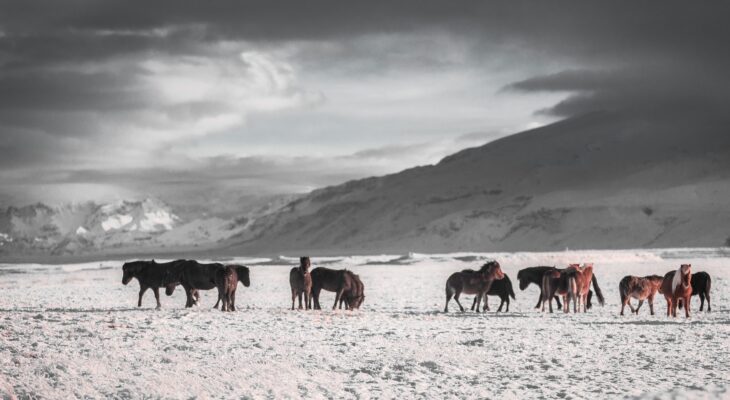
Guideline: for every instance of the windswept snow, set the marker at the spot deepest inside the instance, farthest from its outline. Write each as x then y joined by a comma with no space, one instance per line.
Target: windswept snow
75,331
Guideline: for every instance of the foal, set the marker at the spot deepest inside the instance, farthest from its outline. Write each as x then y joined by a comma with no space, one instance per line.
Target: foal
300,281
639,288
676,287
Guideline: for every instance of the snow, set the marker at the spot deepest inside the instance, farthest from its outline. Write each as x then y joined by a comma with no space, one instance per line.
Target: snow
116,222
81,230
74,331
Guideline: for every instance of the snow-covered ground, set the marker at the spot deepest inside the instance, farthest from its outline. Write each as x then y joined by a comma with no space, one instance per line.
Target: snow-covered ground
75,331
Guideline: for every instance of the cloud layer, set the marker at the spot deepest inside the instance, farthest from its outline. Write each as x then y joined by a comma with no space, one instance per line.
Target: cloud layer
297,95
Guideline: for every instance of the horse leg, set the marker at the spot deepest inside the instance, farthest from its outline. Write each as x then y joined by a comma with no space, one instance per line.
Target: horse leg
338,296
650,299
233,300
449,294
156,291
479,301
189,297
474,303
539,301
307,300
686,305
501,303
641,302
486,303
702,301
456,297
142,289
299,297
557,301
707,295
293,297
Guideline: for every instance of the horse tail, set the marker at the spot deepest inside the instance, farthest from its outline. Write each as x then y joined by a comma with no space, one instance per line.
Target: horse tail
508,284
599,294
623,289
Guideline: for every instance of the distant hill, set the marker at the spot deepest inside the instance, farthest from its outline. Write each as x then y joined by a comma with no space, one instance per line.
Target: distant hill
597,181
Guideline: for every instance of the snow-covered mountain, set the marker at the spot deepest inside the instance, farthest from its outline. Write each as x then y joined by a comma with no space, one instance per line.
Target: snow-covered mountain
147,225
596,181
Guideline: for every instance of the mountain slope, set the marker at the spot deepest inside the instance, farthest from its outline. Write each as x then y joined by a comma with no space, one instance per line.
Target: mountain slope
596,181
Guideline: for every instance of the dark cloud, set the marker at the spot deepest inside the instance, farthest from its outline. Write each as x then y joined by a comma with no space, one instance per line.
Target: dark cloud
79,77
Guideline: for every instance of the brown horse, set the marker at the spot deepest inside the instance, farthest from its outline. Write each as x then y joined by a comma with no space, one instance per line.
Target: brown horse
339,281
300,281
639,288
676,287
583,278
226,280
560,282
472,282
354,297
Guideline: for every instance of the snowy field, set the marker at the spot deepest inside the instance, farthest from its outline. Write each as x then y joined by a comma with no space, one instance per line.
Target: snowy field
75,331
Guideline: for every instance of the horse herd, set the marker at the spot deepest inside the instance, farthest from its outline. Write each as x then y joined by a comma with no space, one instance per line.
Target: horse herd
572,284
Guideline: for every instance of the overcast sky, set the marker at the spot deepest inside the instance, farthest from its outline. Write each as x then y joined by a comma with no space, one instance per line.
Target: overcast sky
115,97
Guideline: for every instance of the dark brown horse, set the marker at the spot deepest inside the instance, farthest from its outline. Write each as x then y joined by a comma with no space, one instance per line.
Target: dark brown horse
150,275
300,281
676,287
501,288
338,281
472,282
534,275
701,285
639,288
193,276
227,280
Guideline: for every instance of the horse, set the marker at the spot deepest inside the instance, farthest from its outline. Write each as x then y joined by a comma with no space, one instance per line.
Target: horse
193,276
339,281
501,288
701,284
472,282
676,287
226,280
584,276
534,275
354,297
300,281
149,274
639,288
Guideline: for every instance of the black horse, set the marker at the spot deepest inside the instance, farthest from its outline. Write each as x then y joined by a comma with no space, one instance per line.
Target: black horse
193,276
701,285
501,288
150,275
534,275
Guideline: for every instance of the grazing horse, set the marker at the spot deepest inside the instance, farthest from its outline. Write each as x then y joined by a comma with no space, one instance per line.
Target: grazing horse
501,288
472,282
701,284
676,287
150,274
300,281
640,289
193,276
354,297
339,281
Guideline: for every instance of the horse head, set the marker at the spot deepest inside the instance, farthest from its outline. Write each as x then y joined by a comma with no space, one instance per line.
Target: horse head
304,264
130,270
492,270
243,275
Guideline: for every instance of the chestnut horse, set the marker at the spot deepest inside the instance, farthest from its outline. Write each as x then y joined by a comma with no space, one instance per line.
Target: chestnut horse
583,278
701,284
226,280
472,282
560,282
676,287
640,289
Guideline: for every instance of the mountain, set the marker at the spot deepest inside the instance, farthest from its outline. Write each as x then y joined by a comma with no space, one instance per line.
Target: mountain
600,180
145,226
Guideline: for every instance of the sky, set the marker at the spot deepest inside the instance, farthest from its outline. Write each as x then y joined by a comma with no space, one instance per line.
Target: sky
103,99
